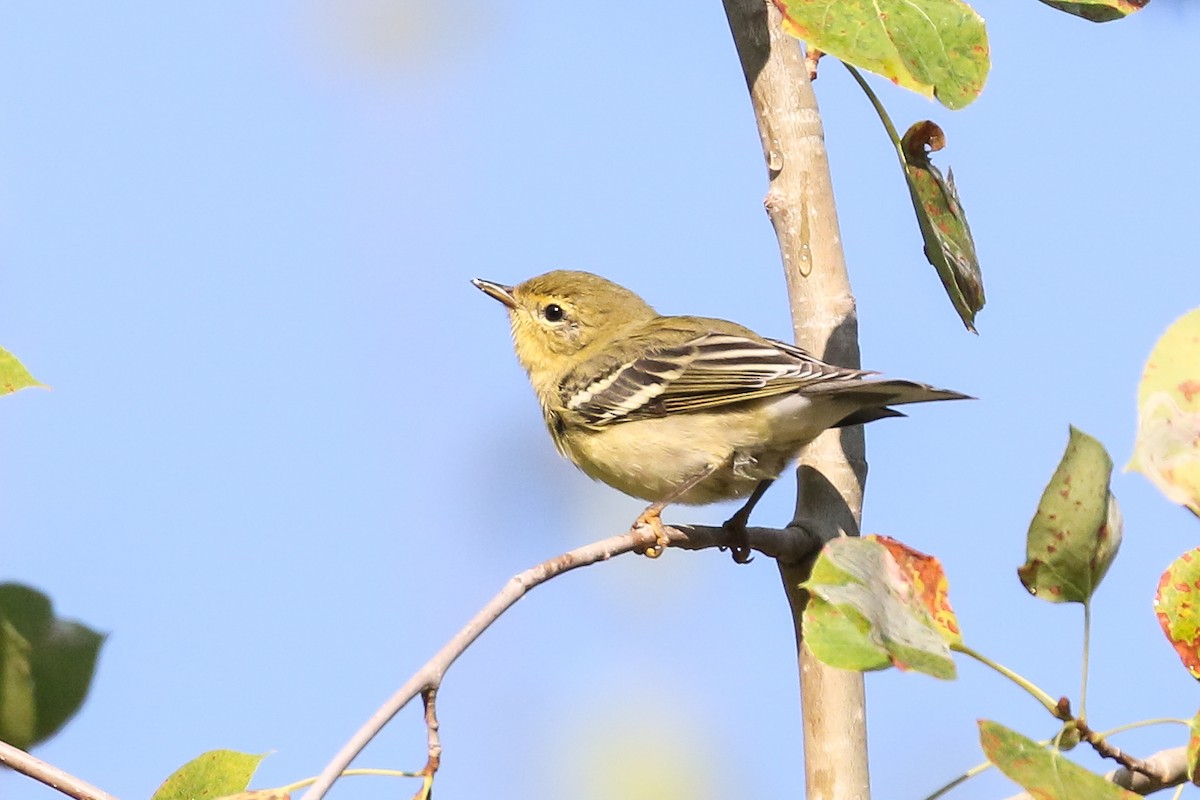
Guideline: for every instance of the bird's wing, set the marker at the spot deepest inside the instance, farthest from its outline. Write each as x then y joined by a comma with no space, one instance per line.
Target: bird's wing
711,370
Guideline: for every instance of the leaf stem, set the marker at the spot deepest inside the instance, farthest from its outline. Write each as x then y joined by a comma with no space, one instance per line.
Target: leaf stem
1145,723
1046,700
389,773
961,779
880,110
1087,638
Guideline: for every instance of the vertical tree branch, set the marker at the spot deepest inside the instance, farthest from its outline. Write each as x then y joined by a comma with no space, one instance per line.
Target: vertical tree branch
833,468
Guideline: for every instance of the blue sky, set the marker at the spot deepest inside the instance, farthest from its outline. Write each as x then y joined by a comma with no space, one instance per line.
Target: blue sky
289,452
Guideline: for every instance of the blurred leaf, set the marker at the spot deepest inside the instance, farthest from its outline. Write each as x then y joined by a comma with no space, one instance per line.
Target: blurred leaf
214,774
1167,450
868,612
61,656
949,246
1076,532
1098,10
1193,747
1044,774
18,711
1178,610
937,48
13,375
600,734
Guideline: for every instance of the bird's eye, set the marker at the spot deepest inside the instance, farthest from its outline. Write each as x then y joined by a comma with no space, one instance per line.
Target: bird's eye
553,312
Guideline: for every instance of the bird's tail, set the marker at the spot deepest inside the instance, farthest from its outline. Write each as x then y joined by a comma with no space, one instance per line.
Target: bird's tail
872,398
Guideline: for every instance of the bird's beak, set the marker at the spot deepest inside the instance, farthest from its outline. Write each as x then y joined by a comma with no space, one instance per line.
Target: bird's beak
497,290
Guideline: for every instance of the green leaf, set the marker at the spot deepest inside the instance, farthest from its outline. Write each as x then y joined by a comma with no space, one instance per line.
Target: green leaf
937,48
13,375
1178,609
949,245
1167,450
1076,532
61,657
868,611
214,774
1098,10
18,710
1044,774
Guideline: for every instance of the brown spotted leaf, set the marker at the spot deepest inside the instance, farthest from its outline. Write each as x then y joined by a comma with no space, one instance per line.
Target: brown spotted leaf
1098,10
1177,604
1167,450
937,48
214,774
13,375
949,246
1076,532
1044,773
867,612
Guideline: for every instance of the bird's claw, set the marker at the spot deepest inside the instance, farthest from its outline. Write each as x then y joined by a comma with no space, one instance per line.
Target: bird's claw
740,549
650,518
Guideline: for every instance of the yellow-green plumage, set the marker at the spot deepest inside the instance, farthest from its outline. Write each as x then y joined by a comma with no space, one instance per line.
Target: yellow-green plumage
646,403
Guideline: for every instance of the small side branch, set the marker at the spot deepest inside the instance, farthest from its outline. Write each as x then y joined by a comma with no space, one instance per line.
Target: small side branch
429,697
52,776
1107,749
1164,769
427,773
788,546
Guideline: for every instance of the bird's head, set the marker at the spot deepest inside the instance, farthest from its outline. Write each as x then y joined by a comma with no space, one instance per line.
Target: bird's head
556,316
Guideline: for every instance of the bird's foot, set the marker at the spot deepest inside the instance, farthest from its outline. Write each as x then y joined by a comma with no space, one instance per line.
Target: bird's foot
740,546
652,519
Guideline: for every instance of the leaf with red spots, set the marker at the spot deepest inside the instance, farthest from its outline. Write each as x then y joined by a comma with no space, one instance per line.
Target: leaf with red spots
1043,772
1075,534
1098,10
929,583
1177,604
937,48
1167,450
870,611
214,774
949,246
13,375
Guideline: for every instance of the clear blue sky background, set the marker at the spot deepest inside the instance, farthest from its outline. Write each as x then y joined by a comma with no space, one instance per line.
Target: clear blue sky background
289,451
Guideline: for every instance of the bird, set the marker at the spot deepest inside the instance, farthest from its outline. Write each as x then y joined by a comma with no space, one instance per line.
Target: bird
679,409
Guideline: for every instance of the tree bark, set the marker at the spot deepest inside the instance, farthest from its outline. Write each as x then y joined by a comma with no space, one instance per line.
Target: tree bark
832,469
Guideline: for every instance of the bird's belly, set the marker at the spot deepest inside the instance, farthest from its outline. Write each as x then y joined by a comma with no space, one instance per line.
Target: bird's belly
652,458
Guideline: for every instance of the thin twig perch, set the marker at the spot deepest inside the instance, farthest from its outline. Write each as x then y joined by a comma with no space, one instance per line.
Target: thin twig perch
792,545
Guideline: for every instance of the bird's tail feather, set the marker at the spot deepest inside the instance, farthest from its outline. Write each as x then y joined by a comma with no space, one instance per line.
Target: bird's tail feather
886,392
873,397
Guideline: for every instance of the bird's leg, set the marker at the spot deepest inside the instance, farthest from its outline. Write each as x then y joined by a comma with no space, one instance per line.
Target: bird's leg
736,525
652,516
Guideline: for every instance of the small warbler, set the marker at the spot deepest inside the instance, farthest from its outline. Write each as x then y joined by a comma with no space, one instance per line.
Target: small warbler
678,409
